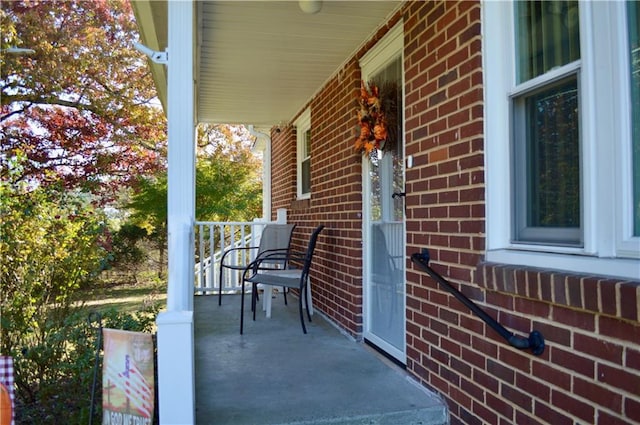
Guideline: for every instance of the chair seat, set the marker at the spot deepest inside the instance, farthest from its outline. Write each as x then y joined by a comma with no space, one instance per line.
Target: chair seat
289,278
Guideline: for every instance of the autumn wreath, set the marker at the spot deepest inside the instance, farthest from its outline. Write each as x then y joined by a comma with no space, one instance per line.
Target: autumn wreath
376,118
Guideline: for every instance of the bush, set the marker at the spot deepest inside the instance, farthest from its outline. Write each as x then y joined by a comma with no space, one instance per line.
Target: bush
51,246
57,374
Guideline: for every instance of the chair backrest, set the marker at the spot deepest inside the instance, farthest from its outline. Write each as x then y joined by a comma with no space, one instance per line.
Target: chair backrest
310,249
276,236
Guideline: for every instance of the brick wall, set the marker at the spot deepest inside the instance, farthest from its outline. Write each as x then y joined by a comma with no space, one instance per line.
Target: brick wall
283,167
590,370
336,200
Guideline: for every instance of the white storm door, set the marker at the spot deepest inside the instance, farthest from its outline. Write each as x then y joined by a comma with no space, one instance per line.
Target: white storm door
384,227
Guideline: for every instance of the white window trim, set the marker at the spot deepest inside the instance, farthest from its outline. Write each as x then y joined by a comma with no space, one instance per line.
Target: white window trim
604,74
302,124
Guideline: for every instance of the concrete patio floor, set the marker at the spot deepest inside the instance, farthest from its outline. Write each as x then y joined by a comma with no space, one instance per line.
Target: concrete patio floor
275,374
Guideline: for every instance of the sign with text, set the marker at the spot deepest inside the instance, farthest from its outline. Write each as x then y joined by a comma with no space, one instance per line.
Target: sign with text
127,378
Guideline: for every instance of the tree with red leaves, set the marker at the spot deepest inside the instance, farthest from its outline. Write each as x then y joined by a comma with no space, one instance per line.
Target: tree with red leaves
81,109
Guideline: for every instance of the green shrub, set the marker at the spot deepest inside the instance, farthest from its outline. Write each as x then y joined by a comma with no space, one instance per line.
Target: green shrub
56,375
52,244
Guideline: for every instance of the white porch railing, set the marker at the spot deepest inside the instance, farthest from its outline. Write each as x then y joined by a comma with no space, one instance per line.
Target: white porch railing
212,240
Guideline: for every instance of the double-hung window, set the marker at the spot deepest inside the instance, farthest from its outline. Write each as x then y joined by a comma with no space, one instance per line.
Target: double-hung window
562,83
546,124
303,154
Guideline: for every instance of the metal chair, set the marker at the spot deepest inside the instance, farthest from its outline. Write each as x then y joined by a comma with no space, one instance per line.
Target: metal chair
274,237
288,278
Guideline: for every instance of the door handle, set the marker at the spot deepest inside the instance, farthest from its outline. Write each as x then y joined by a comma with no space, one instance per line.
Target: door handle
398,195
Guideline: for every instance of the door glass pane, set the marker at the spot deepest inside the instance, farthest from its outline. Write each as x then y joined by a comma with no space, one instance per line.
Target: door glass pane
633,13
385,305
547,36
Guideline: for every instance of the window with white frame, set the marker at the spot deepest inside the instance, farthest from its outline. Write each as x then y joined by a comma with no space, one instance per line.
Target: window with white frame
562,134
303,138
546,121
633,19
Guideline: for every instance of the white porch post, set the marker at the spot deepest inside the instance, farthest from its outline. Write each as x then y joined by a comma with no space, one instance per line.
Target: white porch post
263,145
175,326
266,179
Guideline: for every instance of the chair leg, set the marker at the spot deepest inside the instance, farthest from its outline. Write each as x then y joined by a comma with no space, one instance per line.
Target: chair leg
220,287
254,297
306,301
241,309
304,328
284,291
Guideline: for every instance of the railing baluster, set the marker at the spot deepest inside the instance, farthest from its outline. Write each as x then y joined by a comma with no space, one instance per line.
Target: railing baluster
212,240
222,249
202,262
212,271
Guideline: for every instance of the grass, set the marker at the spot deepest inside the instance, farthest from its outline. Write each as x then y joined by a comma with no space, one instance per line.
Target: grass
125,297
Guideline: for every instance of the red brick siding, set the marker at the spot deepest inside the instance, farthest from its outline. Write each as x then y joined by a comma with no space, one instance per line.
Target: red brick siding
336,199
590,370
283,167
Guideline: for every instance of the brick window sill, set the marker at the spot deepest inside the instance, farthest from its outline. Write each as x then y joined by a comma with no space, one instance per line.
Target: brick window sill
598,294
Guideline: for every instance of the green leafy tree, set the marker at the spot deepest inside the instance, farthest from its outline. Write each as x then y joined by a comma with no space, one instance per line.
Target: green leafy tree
149,211
228,186
127,251
228,179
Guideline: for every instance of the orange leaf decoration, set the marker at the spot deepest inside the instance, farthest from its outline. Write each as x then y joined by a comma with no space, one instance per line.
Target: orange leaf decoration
371,119
359,144
363,91
365,132
380,132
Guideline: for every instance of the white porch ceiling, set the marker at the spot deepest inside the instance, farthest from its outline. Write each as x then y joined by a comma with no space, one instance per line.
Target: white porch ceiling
258,62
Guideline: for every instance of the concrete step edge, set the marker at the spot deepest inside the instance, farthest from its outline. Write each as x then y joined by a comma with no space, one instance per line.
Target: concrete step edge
436,415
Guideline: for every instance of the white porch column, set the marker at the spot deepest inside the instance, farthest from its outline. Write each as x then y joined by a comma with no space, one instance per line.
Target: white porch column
266,179
263,145
175,326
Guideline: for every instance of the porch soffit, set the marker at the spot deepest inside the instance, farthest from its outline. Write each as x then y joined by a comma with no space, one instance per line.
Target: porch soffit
260,61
